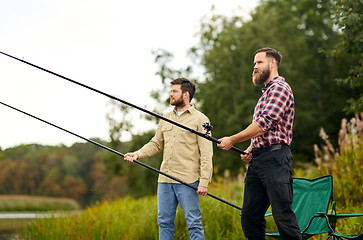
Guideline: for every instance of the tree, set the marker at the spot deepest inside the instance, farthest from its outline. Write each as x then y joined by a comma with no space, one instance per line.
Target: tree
7,170
97,180
348,17
76,172
73,187
51,185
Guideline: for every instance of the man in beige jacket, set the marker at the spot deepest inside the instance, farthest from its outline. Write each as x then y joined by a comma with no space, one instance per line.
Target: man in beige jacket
186,156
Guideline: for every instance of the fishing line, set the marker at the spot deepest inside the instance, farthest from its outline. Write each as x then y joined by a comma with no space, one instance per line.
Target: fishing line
122,155
204,135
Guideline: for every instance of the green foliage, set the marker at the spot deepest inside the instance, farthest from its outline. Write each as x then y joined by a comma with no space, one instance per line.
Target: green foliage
345,163
348,17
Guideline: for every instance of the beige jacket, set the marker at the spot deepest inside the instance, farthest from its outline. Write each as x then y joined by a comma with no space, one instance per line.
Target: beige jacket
187,156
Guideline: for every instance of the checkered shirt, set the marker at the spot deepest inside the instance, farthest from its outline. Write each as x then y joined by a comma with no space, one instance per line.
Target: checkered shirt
274,114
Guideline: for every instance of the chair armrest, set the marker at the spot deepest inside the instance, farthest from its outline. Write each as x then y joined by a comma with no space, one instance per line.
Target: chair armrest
319,214
341,216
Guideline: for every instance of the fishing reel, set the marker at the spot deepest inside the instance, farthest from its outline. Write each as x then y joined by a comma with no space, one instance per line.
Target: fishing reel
207,127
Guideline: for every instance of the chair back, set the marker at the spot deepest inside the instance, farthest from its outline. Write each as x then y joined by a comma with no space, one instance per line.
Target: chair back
311,197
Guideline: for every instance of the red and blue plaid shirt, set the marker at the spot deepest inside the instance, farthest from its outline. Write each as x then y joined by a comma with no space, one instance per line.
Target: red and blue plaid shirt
274,114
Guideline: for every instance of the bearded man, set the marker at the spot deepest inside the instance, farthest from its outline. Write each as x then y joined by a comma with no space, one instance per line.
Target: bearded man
186,156
269,176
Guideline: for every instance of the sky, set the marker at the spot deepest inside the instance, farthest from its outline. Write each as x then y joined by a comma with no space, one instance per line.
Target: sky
104,44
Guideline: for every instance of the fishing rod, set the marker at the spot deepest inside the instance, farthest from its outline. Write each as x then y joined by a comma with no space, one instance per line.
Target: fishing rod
122,155
207,126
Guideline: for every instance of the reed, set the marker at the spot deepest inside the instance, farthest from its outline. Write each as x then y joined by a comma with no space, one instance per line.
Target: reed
344,162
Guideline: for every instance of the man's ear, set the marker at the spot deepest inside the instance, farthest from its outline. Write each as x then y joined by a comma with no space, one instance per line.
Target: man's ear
186,95
273,63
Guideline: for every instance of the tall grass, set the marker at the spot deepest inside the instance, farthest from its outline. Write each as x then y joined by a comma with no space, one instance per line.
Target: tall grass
129,218
345,162
120,219
135,219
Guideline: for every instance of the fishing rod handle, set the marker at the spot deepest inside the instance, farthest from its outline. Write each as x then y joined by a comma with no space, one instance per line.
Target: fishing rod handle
233,148
238,150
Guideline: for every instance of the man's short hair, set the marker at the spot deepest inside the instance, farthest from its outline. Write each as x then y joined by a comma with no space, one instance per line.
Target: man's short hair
186,85
270,52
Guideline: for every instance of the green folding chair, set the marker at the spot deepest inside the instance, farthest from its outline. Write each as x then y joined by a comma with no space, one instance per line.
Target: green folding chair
310,204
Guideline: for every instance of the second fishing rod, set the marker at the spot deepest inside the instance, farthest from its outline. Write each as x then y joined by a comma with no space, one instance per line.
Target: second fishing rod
206,125
120,154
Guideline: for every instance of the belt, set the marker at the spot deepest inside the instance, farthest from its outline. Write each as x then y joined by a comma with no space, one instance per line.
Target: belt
258,151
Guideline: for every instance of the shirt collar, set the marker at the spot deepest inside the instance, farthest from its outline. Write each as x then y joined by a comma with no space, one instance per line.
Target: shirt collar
191,110
275,79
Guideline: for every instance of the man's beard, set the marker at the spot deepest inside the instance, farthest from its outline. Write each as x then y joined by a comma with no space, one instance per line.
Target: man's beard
178,102
260,77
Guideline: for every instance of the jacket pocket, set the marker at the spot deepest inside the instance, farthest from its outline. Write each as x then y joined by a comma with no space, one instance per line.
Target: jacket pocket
187,137
167,132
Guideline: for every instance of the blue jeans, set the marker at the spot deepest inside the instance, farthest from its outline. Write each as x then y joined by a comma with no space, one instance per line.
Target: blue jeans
169,195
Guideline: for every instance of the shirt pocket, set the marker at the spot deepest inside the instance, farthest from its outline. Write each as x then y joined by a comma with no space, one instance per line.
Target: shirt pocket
187,137
167,132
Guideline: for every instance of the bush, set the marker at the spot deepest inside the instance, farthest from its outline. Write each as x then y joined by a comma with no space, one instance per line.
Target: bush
345,162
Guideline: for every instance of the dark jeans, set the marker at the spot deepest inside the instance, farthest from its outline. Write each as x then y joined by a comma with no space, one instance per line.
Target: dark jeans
269,181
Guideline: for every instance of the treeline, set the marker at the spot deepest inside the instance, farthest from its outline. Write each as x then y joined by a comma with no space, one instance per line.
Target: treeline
83,171
76,172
